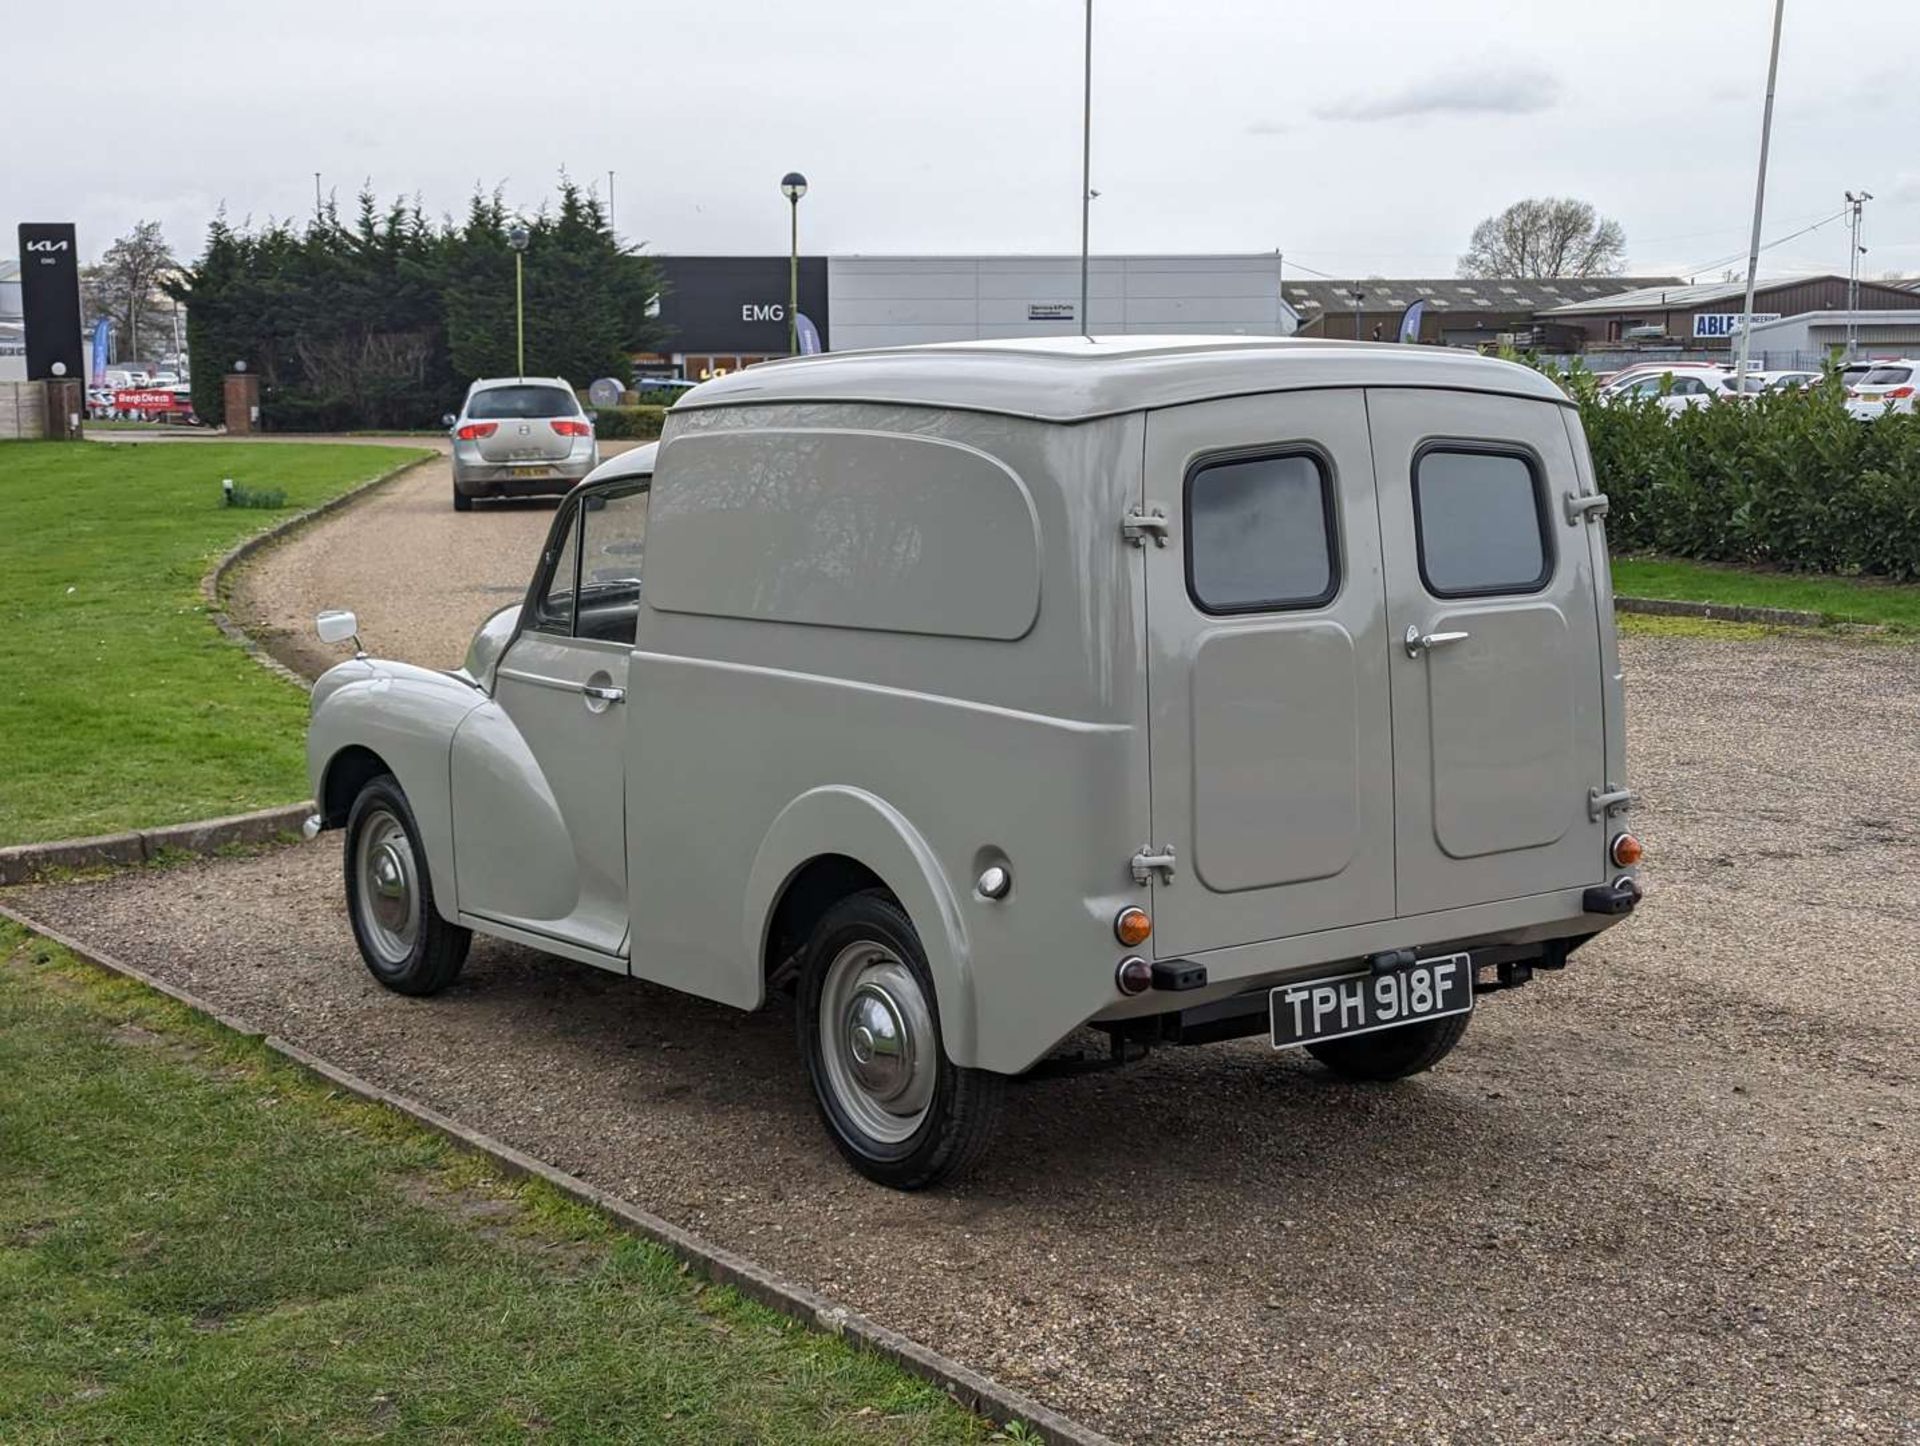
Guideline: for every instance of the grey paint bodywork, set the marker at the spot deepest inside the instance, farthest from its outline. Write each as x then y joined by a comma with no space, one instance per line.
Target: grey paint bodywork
890,616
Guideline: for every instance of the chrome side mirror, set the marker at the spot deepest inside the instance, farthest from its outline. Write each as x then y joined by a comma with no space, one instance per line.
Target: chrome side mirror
337,625
447,419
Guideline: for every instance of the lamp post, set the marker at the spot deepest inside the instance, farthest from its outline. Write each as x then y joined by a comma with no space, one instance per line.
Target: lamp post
517,237
793,186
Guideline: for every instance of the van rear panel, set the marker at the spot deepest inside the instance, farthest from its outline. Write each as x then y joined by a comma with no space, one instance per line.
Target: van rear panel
1376,664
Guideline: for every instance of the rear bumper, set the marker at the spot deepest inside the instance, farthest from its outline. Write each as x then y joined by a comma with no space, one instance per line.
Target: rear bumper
509,479
1532,921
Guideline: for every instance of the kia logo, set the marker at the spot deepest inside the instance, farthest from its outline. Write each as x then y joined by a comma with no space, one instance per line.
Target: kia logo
48,245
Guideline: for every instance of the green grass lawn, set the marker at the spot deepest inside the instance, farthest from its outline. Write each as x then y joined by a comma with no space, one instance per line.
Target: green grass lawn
121,706
1837,599
199,1243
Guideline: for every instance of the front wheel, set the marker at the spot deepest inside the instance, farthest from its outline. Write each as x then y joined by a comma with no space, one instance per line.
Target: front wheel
869,1030
1389,1054
407,946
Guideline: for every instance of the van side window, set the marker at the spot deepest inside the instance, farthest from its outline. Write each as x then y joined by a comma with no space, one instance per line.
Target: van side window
613,532
1481,523
1260,534
553,610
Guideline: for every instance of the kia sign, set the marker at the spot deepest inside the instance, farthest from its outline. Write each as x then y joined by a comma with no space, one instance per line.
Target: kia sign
1720,325
50,299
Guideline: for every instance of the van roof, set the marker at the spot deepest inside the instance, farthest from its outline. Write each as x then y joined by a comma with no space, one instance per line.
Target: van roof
1076,378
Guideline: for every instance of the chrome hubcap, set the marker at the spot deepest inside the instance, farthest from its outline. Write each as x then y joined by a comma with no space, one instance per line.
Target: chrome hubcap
878,1041
389,892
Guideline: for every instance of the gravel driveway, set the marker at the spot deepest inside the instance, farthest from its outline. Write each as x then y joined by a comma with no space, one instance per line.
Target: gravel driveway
375,557
1670,1194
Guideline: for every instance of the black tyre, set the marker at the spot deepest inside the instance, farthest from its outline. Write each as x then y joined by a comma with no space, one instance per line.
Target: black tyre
461,502
869,1030
1389,1054
406,944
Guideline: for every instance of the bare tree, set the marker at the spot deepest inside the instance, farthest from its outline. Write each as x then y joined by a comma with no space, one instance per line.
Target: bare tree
1546,236
124,286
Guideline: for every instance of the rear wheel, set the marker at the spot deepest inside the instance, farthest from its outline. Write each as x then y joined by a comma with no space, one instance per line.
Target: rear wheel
461,502
1389,1054
869,1030
407,946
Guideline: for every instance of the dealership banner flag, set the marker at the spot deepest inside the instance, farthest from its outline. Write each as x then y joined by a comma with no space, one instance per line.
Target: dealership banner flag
808,333
101,330
1410,321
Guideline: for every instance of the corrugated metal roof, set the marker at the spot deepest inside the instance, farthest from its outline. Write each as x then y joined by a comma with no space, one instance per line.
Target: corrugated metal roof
1517,294
1678,297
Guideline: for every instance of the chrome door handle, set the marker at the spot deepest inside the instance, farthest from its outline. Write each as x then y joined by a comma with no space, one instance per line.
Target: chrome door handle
1418,642
598,694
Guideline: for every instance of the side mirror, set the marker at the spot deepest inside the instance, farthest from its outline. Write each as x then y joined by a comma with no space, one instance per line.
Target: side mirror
447,419
336,625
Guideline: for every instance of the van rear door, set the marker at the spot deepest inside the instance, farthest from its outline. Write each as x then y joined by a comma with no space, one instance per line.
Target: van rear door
1267,661
1496,671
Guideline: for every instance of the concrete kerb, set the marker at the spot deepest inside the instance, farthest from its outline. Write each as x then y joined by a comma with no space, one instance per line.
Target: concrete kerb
977,1393
213,584
1719,612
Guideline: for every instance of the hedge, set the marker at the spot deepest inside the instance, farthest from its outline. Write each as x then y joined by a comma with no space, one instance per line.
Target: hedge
624,424
1786,479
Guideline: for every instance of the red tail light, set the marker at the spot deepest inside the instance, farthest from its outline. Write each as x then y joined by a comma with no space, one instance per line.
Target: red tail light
1898,394
566,427
474,431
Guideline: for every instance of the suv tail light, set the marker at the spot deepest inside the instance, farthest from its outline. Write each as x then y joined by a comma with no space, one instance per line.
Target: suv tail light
1898,394
474,431
567,427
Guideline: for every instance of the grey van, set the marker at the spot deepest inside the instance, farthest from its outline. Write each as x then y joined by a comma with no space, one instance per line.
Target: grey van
1183,688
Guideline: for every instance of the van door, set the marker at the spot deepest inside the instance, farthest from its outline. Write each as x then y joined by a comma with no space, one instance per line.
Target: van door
539,773
1270,742
1498,700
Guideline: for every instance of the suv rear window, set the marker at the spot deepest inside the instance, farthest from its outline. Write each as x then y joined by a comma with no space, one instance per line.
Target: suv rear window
1886,377
1481,526
1260,534
523,402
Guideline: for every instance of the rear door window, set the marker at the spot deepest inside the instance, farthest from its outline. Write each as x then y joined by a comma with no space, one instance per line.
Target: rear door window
1260,534
507,402
1480,522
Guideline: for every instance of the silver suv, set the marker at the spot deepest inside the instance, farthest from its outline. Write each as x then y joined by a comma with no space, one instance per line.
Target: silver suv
519,437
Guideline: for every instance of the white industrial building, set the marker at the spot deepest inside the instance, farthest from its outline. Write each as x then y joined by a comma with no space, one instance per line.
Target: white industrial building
901,300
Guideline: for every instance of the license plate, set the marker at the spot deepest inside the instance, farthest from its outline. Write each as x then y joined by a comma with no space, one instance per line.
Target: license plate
1349,1004
530,471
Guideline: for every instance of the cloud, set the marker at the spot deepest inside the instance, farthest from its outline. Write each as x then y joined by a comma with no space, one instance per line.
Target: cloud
1485,88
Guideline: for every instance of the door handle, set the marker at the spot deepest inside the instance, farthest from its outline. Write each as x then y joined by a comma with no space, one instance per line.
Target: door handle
604,695
1418,642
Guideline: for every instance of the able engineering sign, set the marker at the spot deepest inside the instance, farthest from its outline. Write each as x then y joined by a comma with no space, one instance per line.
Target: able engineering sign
1719,325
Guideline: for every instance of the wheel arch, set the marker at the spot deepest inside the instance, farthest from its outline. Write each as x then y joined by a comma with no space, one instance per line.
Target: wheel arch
833,841
349,770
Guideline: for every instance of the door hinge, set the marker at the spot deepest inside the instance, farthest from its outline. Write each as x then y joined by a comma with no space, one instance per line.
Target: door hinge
1601,803
1150,861
1593,505
1138,525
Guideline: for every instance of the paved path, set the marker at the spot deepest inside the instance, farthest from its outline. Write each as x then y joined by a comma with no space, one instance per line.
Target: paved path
1672,1194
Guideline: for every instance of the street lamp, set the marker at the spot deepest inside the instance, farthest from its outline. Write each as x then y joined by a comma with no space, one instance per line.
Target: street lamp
793,186
517,237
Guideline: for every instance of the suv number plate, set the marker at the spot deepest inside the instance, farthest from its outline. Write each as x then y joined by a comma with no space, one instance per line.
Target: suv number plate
1349,1004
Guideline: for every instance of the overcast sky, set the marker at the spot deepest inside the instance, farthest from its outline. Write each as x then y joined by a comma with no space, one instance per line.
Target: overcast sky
1359,138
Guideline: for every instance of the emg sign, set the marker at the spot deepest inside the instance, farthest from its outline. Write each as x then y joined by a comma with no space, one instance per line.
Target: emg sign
1719,325
763,311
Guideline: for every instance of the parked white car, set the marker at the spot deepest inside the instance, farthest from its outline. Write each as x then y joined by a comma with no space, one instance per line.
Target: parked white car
977,693
1674,389
1887,386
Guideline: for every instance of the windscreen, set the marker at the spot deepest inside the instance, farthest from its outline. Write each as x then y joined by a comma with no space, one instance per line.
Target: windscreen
523,402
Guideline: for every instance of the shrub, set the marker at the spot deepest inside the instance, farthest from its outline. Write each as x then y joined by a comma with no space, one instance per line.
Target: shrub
621,424
1787,480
